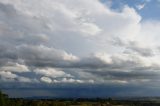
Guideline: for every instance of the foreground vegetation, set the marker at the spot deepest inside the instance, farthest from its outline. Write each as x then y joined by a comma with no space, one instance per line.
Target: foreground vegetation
5,101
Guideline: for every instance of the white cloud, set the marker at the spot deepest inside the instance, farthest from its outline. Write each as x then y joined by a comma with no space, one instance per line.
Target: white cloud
20,68
51,72
7,75
46,79
90,29
140,6
75,81
65,80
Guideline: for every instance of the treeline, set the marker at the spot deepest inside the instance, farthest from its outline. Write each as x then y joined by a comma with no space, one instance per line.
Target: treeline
5,101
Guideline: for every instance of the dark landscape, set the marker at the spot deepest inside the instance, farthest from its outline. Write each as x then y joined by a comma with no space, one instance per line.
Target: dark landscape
6,101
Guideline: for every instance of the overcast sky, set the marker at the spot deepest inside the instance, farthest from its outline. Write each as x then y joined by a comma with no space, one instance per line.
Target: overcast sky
80,48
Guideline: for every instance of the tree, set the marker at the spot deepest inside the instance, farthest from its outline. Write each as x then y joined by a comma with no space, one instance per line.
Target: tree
2,99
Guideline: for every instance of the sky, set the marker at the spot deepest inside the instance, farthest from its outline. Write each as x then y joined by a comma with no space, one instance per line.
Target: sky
80,48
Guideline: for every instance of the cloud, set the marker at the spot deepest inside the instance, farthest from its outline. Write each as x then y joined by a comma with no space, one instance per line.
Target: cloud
51,72
76,42
140,6
44,56
15,67
118,61
134,47
65,80
26,80
8,75
73,81
46,79
144,51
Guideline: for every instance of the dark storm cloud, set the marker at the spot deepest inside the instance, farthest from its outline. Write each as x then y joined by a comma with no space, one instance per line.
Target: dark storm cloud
125,75
90,91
